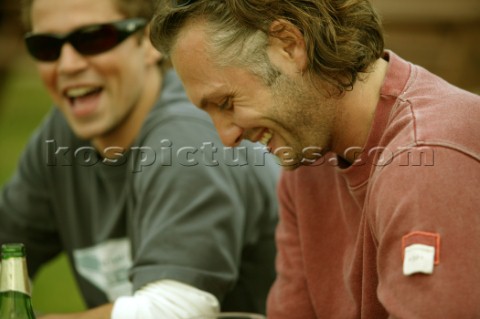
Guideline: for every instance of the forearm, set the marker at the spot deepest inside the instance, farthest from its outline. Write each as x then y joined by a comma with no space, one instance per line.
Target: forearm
102,312
163,299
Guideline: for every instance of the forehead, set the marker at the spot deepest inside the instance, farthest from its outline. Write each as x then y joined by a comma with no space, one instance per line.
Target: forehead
197,69
190,40
63,16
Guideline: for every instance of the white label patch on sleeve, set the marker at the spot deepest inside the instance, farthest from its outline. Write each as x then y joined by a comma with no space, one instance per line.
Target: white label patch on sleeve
418,258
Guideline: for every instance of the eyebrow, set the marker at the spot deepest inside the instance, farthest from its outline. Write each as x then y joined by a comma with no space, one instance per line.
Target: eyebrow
209,98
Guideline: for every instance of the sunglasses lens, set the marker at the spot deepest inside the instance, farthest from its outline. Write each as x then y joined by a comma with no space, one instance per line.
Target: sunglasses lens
44,47
89,40
96,39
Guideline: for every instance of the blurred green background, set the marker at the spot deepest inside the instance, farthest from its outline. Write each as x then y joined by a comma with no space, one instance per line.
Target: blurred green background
23,103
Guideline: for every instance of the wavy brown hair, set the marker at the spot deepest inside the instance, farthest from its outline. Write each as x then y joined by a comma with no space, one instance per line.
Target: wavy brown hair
343,37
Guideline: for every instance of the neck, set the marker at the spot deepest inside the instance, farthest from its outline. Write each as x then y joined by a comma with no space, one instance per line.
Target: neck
356,111
124,134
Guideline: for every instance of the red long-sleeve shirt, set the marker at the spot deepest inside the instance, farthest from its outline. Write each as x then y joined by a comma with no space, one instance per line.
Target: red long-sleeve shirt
344,232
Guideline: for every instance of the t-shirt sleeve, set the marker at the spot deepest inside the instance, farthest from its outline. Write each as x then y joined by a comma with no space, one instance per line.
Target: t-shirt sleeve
189,220
430,207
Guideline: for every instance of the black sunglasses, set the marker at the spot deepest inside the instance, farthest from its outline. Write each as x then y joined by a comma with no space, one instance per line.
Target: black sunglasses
88,40
182,3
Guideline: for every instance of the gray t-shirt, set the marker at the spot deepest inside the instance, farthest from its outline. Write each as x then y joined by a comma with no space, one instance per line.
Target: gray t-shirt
176,205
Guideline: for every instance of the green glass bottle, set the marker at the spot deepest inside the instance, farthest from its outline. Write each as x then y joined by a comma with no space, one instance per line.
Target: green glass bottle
15,302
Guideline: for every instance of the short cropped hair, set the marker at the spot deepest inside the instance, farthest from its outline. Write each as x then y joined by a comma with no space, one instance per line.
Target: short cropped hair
343,37
130,8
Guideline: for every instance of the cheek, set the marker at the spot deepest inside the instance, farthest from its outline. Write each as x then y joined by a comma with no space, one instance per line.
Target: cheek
48,77
125,74
256,106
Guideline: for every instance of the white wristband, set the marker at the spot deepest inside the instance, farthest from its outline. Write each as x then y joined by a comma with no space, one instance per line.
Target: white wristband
165,299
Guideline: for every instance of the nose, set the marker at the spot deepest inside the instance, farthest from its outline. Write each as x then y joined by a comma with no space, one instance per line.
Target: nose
230,133
70,61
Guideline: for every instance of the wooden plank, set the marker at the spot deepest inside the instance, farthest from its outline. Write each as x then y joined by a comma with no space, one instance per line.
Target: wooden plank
428,11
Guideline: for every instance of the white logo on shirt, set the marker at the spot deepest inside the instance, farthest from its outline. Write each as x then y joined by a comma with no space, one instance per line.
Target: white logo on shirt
106,266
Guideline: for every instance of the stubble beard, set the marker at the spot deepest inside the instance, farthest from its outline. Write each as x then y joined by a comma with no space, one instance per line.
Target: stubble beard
305,114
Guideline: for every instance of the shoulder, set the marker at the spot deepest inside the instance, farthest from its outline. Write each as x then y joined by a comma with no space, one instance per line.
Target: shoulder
52,132
430,112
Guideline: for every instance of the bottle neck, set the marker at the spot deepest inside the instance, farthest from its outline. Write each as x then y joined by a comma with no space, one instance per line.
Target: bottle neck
14,276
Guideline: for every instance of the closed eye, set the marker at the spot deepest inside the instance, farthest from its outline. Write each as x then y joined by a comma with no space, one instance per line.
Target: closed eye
226,104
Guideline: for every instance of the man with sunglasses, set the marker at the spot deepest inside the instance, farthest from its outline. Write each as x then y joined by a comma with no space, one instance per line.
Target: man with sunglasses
128,178
379,214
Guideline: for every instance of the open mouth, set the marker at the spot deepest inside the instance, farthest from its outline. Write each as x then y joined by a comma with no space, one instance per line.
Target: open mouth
83,100
266,137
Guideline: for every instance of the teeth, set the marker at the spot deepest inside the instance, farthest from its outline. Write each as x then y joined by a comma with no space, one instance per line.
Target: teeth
76,92
267,136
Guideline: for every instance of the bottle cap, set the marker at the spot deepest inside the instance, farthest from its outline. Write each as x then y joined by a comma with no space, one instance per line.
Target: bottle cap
13,250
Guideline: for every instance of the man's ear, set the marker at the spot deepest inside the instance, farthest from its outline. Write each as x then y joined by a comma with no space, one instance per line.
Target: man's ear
153,56
287,49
